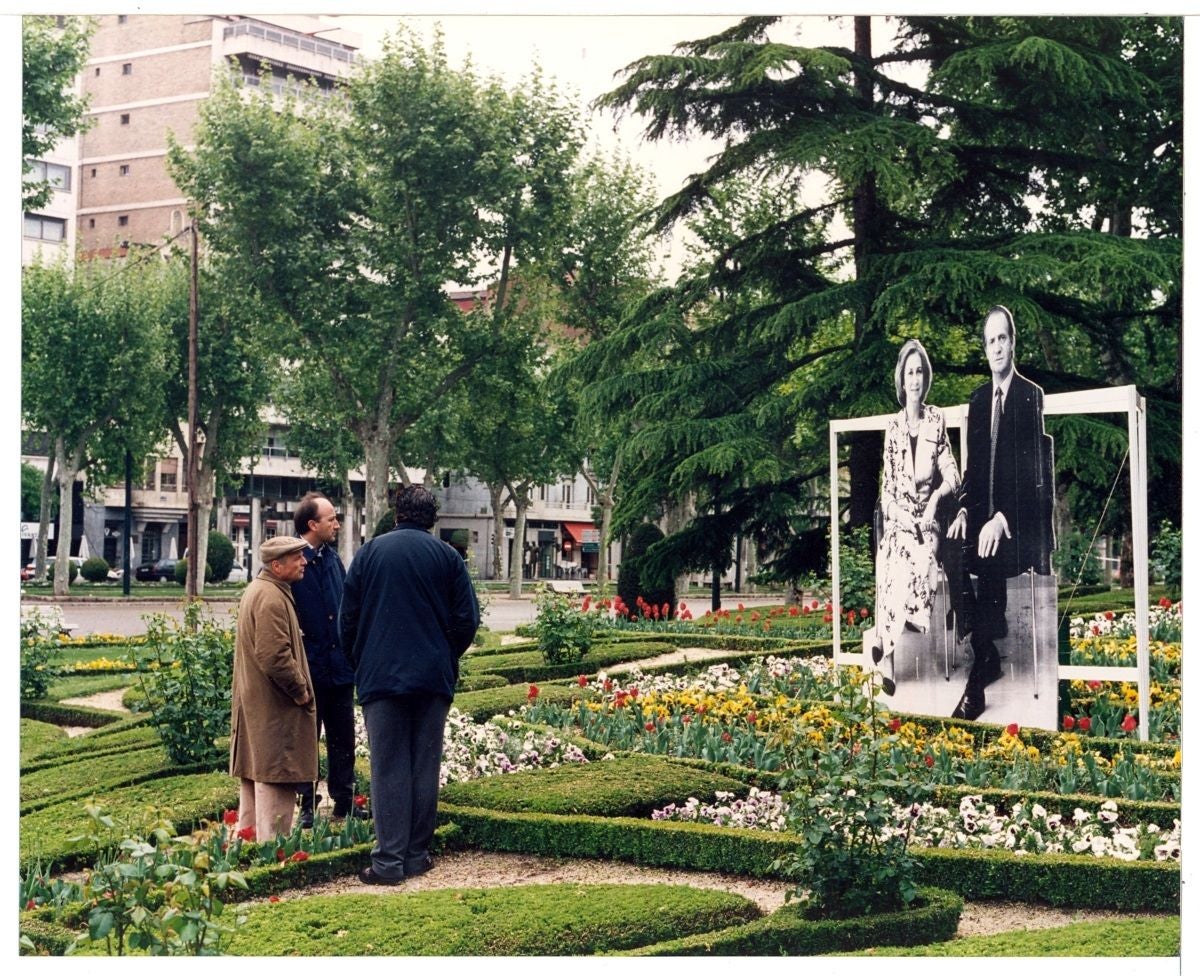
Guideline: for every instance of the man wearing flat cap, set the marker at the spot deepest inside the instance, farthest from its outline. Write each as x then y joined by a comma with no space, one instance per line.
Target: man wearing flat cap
273,735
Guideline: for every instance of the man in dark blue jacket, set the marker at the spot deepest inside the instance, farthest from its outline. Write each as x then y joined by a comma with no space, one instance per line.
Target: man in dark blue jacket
317,597
408,614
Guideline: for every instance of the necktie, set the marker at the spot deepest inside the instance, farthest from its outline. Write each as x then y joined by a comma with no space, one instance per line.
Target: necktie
997,409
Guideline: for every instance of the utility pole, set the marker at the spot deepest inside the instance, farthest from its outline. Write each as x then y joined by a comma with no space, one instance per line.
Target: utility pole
193,528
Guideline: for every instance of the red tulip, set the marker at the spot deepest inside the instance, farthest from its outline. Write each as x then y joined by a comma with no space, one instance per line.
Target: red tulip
1012,728
1108,615
793,611
894,725
247,833
533,692
30,905
1068,722
1165,602
273,899
299,856
280,854
583,681
230,817
649,726
752,718
1085,723
864,613
1129,724
726,737
928,760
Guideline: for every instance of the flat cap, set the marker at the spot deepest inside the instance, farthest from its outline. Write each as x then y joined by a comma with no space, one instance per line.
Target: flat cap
280,546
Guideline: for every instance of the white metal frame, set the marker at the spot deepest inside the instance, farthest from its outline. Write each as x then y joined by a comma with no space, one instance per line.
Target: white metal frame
1121,399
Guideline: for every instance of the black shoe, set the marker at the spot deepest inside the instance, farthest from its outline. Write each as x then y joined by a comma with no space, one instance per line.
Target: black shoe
423,865
876,653
368,876
889,686
913,628
971,705
354,813
306,819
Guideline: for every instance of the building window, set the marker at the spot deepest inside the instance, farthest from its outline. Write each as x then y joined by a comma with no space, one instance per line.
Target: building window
541,493
93,171
42,228
591,495
124,118
168,475
127,68
124,169
91,223
123,220
57,175
567,490
274,446
97,71
121,18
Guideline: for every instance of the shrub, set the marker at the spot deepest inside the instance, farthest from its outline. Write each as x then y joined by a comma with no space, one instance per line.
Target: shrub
37,654
633,579
220,557
857,569
95,569
186,673
1167,557
564,633
855,858
181,572
387,522
1075,560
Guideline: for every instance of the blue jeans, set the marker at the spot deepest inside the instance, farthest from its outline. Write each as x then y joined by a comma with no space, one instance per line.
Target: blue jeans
404,734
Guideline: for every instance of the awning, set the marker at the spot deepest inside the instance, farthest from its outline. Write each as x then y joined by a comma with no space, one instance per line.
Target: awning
576,530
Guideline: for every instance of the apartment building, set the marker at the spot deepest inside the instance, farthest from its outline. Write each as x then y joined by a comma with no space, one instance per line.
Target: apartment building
147,77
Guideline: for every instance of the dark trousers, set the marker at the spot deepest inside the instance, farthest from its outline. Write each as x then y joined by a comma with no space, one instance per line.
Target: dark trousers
335,714
404,733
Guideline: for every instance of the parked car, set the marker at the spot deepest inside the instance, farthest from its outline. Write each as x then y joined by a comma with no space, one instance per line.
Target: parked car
27,571
237,574
163,569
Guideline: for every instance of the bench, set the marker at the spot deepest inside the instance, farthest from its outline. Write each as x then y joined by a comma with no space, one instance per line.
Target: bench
566,586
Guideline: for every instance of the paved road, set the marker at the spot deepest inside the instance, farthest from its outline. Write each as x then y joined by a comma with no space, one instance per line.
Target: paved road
125,617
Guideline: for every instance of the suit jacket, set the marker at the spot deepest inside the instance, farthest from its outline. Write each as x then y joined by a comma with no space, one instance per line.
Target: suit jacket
318,596
1024,479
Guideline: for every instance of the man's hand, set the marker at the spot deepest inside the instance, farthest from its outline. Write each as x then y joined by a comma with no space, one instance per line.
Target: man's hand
958,528
990,535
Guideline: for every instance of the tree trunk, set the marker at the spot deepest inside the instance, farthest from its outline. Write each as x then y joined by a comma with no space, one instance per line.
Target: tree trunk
375,468
494,494
43,537
347,536
605,499
676,517
67,470
206,480
516,567
1125,567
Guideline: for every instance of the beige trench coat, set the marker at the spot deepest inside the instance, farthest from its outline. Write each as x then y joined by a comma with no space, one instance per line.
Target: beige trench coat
272,739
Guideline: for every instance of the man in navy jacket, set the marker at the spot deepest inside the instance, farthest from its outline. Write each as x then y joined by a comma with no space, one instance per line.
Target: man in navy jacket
317,597
408,614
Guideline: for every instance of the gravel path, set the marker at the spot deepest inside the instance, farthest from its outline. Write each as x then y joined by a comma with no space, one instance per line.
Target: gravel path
482,869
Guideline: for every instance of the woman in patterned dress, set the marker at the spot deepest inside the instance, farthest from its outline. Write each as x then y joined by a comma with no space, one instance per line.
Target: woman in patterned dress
919,471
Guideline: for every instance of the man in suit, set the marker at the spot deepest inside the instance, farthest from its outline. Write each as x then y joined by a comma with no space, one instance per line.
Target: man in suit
1007,501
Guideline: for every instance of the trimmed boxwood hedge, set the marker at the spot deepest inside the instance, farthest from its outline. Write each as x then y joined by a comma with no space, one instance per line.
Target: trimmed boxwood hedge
529,666
92,772
93,745
477,682
482,705
58,714
1080,881
1120,938
38,737
185,800
559,919
627,787
787,932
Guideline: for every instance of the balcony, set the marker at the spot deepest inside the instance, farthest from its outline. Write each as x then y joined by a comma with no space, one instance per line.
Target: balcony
285,47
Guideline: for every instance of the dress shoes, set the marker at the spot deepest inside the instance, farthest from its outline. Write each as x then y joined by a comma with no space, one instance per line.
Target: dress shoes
354,813
889,686
368,876
876,653
423,865
306,819
971,705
